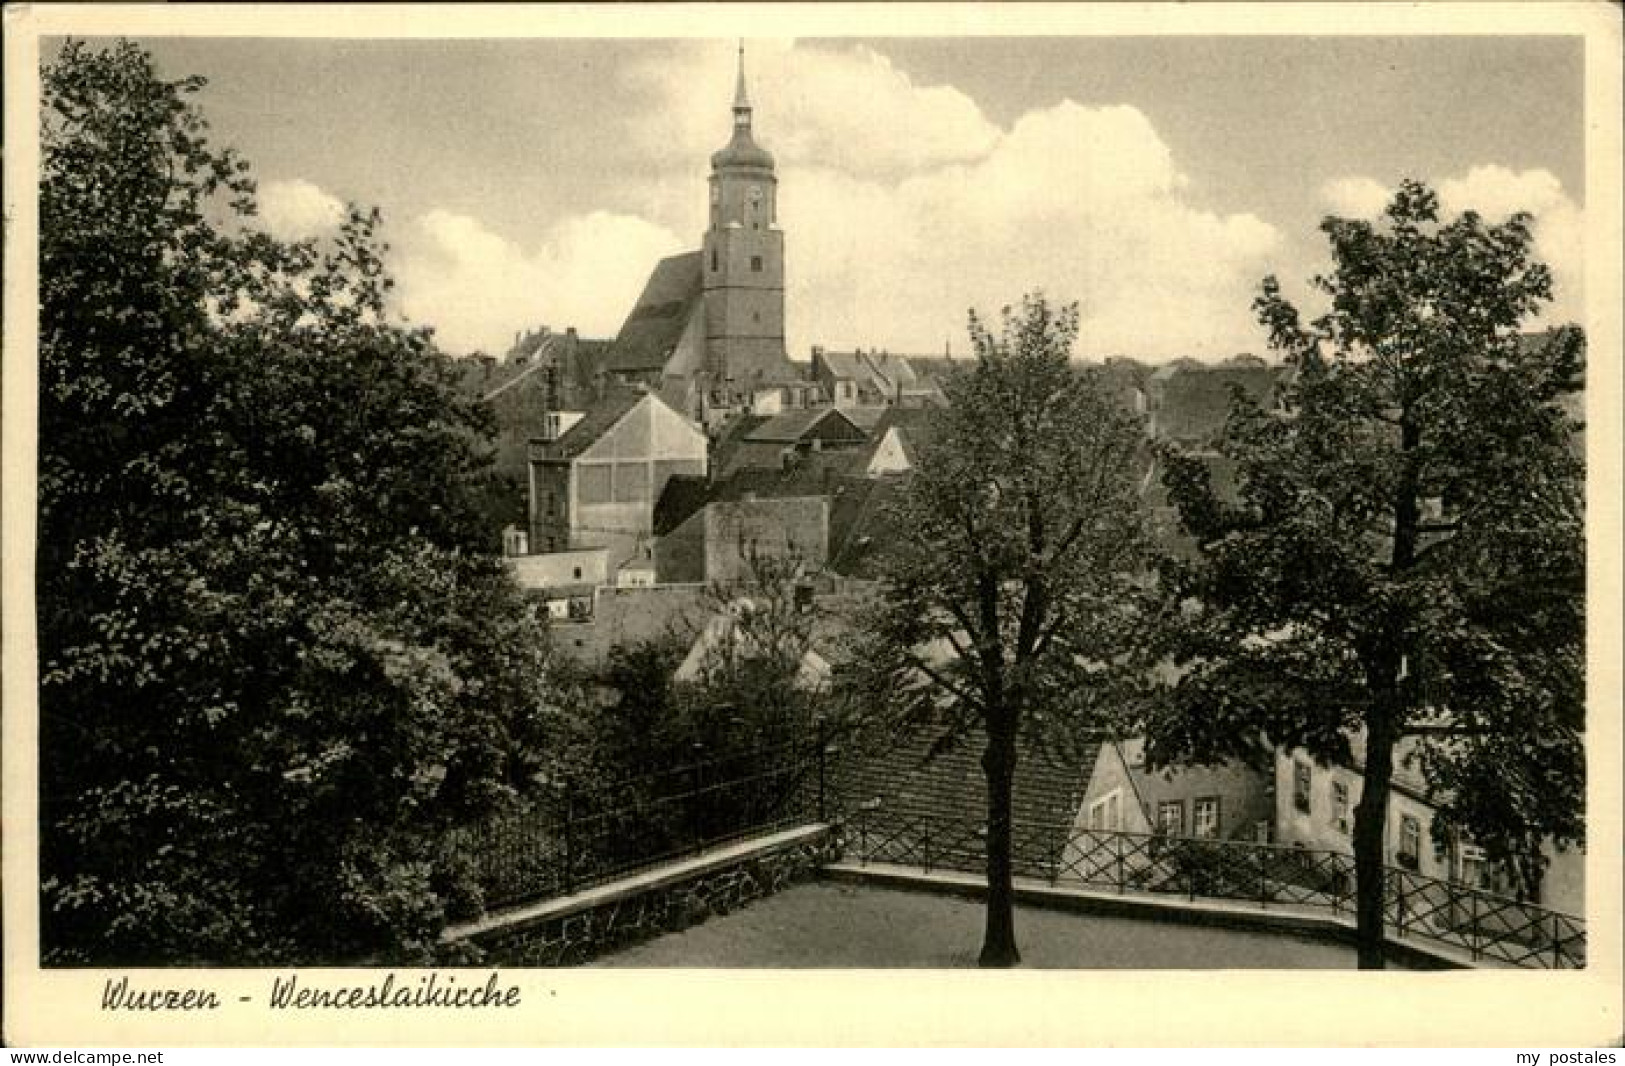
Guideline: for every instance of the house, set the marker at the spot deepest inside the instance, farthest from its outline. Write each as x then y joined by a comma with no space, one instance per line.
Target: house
896,439
595,484
773,442
565,581
722,540
873,377
1293,800
1225,802
623,617
726,636
1315,809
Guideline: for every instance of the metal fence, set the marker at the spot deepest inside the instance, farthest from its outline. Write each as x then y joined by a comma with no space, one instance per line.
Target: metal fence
1417,907
578,835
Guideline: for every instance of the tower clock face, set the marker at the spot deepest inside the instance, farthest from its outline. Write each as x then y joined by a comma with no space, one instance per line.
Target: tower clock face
754,192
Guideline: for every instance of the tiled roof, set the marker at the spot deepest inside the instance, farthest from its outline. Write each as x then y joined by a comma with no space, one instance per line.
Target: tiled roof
865,416
916,425
682,497
900,780
598,420
1192,403
726,446
844,364
656,323
794,425
801,479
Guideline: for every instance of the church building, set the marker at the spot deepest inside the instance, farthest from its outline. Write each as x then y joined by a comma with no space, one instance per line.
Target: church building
708,331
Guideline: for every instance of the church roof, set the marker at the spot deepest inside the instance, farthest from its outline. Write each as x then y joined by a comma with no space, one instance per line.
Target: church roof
657,320
742,151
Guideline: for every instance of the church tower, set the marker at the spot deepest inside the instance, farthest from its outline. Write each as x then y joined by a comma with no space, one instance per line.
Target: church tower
742,261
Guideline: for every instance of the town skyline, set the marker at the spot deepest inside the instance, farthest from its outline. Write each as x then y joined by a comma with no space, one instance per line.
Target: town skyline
919,176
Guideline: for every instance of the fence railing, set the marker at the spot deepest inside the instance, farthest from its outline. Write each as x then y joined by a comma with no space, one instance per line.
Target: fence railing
1417,907
576,836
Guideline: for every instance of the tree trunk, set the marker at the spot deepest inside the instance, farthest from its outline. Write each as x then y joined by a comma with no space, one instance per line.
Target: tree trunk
1370,822
999,766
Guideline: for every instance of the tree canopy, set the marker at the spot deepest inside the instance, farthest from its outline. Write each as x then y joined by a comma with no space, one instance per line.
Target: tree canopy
1014,579
1402,569
278,661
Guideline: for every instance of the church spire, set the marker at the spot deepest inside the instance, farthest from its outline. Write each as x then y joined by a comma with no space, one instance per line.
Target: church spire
741,98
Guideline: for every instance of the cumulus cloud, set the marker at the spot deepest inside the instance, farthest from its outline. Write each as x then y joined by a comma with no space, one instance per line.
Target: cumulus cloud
476,287
845,108
297,209
1356,197
1084,203
1496,193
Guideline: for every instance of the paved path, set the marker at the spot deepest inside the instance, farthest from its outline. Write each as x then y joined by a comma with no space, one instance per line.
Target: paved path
829,924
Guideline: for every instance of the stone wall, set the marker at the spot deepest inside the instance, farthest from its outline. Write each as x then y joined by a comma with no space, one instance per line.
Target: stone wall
646,908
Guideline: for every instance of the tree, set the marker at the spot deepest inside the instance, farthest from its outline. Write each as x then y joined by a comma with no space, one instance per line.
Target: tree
278,662
1010,588
1404,566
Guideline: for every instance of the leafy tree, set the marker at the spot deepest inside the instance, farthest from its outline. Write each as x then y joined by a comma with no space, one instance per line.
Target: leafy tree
1404,566
1014,581
278,664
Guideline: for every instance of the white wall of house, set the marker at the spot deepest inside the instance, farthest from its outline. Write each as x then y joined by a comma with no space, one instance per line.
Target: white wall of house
1328,822
556,570
889,456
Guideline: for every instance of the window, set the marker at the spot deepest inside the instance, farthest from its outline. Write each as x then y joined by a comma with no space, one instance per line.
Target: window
1205,817
1302,776
1105,814
713,260
578,573
756,264
592,483
632,483
1410,842
1171,818
1340,806
1475,872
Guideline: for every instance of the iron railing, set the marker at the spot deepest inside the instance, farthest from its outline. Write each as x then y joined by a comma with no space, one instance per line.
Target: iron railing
576,836
1417,907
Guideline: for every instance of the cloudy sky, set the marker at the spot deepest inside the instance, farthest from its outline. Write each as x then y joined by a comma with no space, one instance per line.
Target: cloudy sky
1155,180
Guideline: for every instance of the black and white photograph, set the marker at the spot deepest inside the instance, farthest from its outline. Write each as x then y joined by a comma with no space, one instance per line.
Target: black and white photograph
664,489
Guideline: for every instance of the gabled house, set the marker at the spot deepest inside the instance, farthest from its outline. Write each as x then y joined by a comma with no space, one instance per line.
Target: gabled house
874,378
595,485
1220,803
1295,801
775,442
725,636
